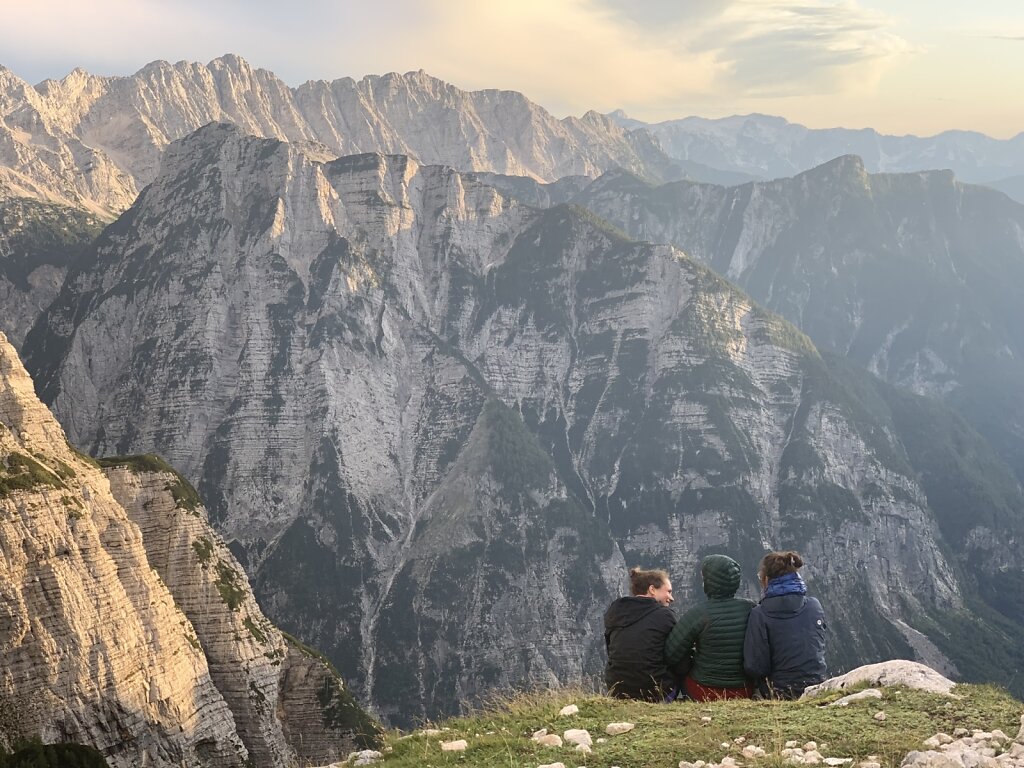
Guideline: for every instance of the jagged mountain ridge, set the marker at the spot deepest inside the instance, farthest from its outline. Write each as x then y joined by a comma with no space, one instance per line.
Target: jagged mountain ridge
129,626
426,413
769,147
95,141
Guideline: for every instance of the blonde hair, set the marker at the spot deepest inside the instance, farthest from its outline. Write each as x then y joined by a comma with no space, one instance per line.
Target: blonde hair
640,580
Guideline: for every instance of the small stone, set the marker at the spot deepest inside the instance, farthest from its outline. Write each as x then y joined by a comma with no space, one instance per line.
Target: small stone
869,764
739,740
752,751
365,757
538,734
552,765
835,761
959,733
601,740
705,719
725,745
430,732
879,716
571,709
549,740
458,745
812,757
584,748
810,746
998,735
578,736
792,743
614,729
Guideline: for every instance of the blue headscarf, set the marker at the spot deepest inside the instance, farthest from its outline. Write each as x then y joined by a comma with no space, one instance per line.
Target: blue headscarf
786,584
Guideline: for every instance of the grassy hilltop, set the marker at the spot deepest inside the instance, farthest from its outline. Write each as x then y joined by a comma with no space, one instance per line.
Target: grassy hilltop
665,735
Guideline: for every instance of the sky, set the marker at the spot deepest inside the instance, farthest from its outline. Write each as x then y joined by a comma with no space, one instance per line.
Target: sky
899,66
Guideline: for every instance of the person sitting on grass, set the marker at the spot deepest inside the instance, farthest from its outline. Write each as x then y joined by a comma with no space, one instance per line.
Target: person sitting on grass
784,649
706,644
635,629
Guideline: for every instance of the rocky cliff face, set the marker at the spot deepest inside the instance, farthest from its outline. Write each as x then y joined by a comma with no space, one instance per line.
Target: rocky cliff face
915,277
37,243
439,423
94,141
128,626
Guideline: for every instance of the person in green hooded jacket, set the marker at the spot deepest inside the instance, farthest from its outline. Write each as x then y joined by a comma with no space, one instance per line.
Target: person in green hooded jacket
706,644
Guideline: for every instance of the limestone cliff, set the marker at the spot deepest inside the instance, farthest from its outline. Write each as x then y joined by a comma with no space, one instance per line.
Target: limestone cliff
128,625
436,423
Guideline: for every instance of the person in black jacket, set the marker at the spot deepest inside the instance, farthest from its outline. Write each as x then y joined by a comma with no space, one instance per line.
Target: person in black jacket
784,647
635,629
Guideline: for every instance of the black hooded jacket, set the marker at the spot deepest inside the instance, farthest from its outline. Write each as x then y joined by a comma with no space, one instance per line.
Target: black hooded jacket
785,643
635,629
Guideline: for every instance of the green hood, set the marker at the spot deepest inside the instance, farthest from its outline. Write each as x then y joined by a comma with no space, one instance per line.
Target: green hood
721,576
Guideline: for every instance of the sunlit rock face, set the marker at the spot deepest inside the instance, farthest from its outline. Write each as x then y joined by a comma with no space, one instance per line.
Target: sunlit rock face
96,141
128,625
437,424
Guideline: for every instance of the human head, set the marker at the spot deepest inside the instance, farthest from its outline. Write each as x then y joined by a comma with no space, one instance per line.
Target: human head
776,564
721,574
653,583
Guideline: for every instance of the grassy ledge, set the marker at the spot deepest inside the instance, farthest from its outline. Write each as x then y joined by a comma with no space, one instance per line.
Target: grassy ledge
666,734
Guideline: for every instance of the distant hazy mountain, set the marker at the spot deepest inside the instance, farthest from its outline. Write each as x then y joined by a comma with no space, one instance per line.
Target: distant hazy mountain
767,147
437,423
95,141
917,277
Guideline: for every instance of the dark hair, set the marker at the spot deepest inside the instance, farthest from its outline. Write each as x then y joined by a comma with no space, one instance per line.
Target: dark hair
640,580
776,564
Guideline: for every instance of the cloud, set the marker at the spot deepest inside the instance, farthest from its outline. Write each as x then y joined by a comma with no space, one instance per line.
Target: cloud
570,55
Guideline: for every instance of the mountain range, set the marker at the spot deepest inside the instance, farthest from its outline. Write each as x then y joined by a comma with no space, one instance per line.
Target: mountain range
437,395
740,148
424,413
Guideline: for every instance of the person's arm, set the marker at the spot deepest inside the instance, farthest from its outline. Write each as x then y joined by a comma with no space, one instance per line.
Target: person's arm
679,645
757,656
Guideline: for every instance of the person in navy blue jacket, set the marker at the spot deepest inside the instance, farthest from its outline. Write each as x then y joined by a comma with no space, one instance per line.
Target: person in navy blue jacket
784,647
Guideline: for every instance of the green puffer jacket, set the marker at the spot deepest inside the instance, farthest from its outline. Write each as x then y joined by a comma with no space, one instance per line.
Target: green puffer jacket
707,642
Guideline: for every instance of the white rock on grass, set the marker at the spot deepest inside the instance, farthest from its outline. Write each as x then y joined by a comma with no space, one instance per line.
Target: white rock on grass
430,732
458,745
880,716
571,709
752,752
552,765
584,748
869,693
549,740
365,757
578,736
791,744
906,673
833,762
615,729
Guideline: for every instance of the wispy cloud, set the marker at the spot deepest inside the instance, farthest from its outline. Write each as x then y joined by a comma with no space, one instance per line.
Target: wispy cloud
570,55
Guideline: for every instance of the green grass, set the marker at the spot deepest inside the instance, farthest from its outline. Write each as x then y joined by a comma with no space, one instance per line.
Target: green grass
23,473
664,735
